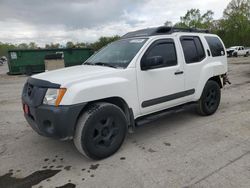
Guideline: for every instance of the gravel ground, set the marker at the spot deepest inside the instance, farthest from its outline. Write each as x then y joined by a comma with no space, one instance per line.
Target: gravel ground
178,150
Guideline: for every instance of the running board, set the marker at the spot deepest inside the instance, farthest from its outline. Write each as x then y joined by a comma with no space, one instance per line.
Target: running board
157,115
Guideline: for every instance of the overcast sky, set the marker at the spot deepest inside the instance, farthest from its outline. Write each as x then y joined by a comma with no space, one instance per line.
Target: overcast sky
59,21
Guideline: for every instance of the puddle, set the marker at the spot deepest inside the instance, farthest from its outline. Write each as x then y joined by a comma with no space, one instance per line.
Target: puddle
67,168
151,150
93,167
51,167
68,185
167,144
7,181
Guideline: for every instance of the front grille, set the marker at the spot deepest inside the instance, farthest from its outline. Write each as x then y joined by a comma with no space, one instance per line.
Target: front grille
33,95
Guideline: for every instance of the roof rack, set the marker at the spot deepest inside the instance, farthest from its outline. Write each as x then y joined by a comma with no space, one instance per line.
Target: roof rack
162,30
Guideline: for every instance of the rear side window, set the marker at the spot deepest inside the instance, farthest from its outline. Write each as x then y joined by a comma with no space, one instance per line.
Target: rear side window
215,46
193,49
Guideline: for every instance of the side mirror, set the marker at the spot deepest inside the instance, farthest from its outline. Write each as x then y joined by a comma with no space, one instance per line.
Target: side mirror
152,62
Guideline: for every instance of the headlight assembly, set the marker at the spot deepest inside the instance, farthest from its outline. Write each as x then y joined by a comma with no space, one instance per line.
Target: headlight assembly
54,96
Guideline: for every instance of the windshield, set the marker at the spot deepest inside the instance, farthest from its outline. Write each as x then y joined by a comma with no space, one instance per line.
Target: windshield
118,53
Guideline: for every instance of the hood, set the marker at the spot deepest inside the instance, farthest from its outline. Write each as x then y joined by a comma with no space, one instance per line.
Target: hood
65,76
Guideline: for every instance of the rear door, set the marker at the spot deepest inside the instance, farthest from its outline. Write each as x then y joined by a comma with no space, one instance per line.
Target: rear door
195,58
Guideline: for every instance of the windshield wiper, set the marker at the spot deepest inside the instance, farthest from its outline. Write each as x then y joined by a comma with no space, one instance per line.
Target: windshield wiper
104,64
100,64
88,63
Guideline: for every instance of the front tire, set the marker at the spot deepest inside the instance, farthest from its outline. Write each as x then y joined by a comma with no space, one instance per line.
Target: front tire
100,130
210,99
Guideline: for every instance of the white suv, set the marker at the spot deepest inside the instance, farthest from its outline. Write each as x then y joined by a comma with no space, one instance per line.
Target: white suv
145,72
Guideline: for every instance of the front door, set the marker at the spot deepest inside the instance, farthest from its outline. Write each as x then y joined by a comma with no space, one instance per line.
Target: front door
160,86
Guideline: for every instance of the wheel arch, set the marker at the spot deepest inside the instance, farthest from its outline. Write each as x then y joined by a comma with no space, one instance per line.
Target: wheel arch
217,79
118,101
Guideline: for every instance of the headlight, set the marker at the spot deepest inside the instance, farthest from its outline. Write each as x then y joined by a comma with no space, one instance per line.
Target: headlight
54,96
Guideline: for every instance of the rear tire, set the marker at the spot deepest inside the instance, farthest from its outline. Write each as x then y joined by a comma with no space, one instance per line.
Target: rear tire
210,99
100,130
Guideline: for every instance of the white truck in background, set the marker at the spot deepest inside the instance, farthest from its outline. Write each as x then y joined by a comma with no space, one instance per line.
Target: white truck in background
237,51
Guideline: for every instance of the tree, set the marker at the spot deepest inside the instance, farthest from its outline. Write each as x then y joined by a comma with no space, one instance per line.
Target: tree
237,7
194,19
168,24
4,47
103,41
70,44
81,45
234,28
23,46
52,45
32,45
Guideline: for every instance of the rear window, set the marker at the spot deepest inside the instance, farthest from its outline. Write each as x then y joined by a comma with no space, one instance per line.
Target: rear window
215,46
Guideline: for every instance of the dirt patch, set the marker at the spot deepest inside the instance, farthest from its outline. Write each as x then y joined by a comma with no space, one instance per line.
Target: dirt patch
239,60
67,168
167,144
239,84
2,149
151,150
68,185
242,63
93,167
7,181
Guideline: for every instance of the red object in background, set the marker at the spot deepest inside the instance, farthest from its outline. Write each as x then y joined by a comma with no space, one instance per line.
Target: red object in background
26,108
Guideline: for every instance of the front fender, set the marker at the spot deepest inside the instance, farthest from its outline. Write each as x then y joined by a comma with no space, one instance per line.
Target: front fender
101,88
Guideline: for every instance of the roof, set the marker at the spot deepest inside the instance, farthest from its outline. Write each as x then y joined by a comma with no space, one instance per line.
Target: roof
162,30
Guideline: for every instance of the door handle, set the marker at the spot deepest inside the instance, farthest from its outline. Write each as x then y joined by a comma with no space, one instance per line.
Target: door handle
178,72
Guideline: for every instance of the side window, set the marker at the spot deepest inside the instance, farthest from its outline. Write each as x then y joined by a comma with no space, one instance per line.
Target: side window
215,46
193,49
164,49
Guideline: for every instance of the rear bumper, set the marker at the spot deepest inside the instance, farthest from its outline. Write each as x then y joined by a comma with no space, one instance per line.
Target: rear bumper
56,122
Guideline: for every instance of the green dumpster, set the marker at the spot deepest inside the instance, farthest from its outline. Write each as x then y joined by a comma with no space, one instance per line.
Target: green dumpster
32,61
